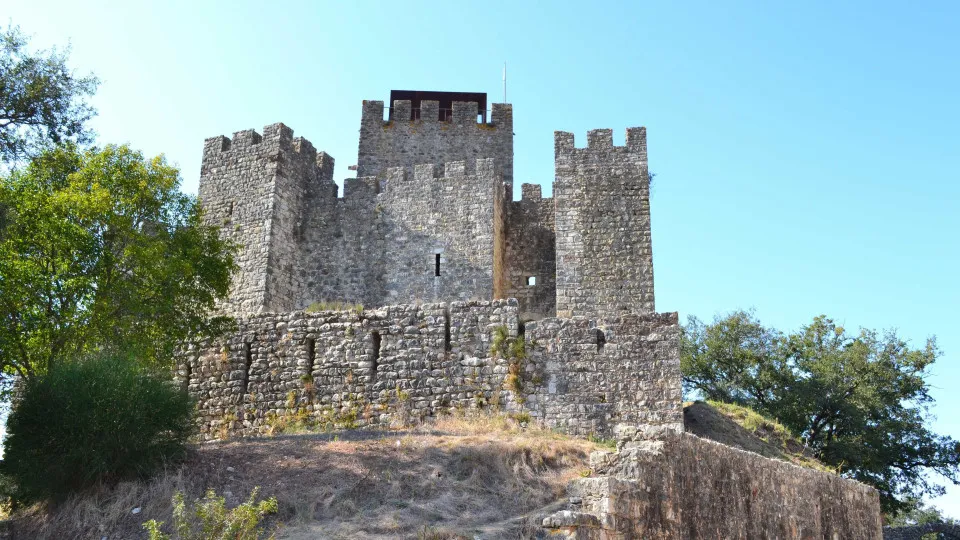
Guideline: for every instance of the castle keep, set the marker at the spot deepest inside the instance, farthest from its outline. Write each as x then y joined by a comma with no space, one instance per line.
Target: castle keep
430,216
464,299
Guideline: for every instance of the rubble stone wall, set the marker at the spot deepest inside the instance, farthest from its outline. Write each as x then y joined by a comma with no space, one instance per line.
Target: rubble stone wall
531,253
604,253
377,366
401,142
684,487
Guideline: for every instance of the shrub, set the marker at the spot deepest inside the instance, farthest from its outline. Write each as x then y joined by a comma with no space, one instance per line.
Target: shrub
93,421
210,519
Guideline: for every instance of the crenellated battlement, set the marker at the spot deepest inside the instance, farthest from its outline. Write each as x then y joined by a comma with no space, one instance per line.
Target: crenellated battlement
462,113
483,168
275,137
532,192
600,141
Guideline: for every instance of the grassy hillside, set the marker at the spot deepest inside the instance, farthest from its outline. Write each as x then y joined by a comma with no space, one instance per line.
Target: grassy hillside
453,478
743,428
450,478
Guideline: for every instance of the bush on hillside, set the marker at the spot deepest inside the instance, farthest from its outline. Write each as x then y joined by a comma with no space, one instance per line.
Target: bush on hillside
95,421
210,520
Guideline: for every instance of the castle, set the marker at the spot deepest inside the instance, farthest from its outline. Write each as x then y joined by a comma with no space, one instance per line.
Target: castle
429,241
430,216
539,308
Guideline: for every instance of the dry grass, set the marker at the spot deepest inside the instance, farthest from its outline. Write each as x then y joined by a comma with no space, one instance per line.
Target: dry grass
449,478
744,428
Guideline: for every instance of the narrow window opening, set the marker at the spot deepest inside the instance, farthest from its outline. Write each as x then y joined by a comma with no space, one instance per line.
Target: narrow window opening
230,209
186,378
376,357
521,329
436,266
248,361
532,281
446,331
311,356
601,340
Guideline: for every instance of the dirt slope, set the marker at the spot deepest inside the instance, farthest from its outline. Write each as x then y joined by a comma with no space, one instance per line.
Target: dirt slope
453,478
743,428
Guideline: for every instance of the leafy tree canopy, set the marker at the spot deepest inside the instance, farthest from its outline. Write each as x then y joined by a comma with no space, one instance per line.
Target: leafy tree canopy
859,400
919,514
41,99
103,253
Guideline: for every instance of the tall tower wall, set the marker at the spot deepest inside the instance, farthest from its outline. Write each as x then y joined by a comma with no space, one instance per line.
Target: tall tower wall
257,189
442,240
604,249
531,253
402,142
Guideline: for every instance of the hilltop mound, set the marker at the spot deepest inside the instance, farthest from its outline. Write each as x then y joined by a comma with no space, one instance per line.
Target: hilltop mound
484,477
746,429
449,478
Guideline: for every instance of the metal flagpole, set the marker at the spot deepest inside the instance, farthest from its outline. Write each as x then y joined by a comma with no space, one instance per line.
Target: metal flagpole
504,82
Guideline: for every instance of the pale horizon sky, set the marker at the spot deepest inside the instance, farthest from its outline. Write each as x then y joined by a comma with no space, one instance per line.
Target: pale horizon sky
806,154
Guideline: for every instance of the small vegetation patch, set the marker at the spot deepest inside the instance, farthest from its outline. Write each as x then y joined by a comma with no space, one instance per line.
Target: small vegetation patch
334,305
209,519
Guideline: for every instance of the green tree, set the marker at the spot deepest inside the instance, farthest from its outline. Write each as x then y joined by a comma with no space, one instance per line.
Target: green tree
102,253
859,400
42,101
919,514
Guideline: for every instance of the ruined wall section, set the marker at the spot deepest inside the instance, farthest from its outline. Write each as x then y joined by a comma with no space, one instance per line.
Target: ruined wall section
439,231
604,248
401,142
683,486
400,363
253,187
531,253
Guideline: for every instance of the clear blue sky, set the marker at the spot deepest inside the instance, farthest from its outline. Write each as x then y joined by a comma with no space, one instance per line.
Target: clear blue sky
806,156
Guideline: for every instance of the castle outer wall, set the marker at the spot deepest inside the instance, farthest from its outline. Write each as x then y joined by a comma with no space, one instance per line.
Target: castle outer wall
402,142
682,486
371,368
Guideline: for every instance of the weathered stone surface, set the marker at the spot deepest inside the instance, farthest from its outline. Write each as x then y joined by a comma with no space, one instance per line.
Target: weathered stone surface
685,487
400,142
604,253
380,365
532,253
428,236
426,189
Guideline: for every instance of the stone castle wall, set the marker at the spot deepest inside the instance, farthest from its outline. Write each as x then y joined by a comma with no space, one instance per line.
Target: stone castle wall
401,142
531,253
420,194
369,368
439,231
252,187
604,253
682,486
300,243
